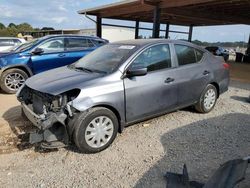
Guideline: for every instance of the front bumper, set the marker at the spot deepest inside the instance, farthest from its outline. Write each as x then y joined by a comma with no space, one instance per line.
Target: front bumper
35,119
43,121
51,127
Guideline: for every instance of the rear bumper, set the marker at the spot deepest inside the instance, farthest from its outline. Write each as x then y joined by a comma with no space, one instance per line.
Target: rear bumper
224,83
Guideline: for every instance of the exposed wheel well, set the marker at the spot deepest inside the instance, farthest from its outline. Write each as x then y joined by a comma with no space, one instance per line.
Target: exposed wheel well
115,112
21,68
217,87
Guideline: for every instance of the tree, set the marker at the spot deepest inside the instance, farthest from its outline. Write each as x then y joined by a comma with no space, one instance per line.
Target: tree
37,29
12,25
24,27
47,28
2,26
12,31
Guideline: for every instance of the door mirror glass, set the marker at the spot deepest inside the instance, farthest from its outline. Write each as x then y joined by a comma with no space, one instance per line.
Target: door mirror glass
38,51
136,72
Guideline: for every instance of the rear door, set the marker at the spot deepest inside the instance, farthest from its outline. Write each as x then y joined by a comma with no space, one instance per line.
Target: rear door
53,55
155,92
192,74
77,47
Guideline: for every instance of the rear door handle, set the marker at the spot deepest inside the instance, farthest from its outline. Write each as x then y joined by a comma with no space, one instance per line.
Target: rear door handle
61,55
169,80
206,72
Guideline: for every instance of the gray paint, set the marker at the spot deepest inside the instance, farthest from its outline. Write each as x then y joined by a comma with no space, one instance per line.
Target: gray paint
139,97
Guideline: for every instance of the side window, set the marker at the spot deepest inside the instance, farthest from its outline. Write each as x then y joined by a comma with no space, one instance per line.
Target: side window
6,42
90,43
54,45
199,55
154,58
16,41
98,42
78,43
186,55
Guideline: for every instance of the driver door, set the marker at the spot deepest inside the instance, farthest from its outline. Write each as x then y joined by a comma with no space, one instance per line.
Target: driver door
155,92
53,55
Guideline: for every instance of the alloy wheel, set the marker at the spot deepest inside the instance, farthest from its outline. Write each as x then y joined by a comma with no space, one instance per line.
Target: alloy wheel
14,81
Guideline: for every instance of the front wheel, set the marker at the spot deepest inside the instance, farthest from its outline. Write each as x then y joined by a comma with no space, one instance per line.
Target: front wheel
207,100
95,130
12,80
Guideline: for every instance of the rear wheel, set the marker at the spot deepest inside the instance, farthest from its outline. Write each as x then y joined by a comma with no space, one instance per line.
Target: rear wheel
12,80
207,100
95,130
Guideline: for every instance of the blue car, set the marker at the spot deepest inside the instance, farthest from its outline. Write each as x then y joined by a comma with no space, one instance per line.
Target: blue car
43,54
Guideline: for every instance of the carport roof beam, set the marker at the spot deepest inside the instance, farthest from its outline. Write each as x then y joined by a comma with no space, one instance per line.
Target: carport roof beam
178,12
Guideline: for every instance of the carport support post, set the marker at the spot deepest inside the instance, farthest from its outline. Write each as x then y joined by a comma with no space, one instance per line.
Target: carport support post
167,31
99,26
156,26
190,33
137,29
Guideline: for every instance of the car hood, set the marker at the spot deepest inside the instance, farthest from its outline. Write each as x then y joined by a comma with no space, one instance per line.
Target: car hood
60,80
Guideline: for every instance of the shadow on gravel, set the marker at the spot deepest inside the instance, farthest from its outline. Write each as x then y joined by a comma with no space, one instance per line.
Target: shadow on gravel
203,146
241,99
21,127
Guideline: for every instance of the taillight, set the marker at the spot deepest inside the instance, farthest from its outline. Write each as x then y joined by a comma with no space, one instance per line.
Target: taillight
226,66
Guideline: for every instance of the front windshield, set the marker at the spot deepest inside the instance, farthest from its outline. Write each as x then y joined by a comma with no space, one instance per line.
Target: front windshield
106,58
26,46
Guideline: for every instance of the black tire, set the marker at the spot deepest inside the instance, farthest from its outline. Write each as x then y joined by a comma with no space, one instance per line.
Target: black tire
84,120
3,85
200,106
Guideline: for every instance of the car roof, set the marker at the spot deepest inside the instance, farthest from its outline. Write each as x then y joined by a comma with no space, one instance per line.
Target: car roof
146,42
9,38
70,35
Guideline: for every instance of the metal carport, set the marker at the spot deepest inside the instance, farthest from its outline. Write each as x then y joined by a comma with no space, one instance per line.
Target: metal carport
177,12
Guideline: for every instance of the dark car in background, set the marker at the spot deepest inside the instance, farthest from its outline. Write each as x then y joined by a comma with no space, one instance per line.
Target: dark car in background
118,84
41,55
218,51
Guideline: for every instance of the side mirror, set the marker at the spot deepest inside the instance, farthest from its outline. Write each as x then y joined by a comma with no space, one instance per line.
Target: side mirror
137,72
38,51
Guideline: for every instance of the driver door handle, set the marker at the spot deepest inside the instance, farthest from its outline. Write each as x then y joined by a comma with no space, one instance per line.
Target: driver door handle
206,72
61,55
169,80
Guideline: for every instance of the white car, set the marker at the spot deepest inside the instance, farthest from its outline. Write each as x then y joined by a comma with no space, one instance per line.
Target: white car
9,42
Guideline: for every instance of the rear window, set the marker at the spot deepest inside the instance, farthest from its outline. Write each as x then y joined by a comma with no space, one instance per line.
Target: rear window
78,43
99,42
187,55
199,55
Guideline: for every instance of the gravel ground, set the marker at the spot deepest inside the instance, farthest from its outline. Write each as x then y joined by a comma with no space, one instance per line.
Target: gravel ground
141,155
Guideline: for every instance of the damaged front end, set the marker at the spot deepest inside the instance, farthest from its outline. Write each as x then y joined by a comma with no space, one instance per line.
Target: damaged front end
50,114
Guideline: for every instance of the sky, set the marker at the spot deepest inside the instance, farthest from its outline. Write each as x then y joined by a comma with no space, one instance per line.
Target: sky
62,14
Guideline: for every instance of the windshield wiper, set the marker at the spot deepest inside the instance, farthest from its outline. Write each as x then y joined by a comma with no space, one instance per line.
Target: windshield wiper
83,69
99,71
89,70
